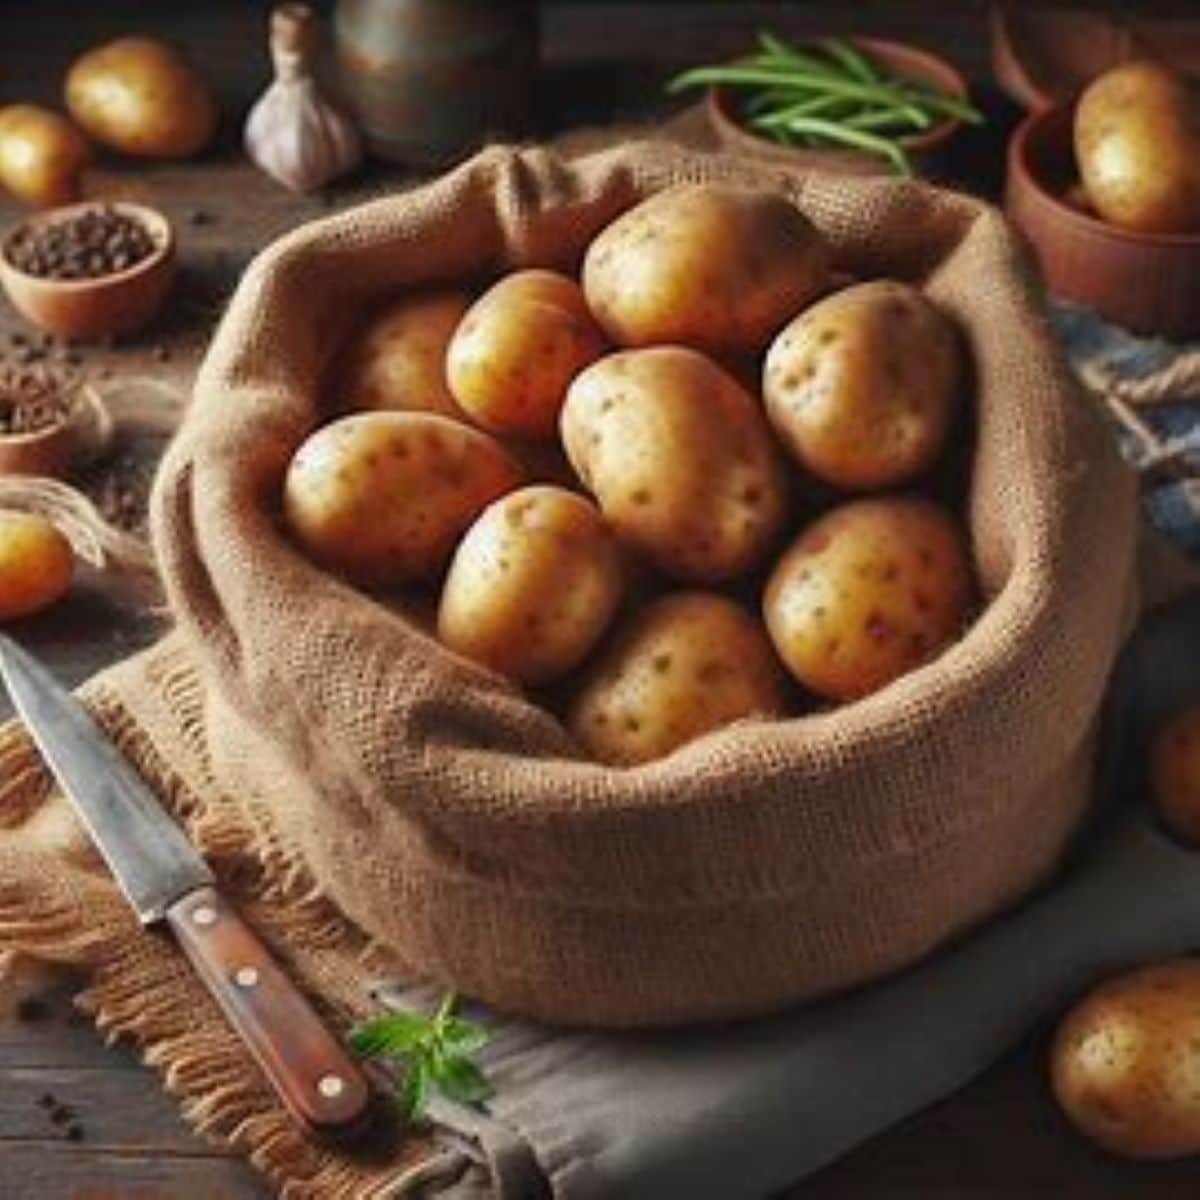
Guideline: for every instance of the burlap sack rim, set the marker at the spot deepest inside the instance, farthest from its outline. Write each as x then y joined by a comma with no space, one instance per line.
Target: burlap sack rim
1017,606
445,766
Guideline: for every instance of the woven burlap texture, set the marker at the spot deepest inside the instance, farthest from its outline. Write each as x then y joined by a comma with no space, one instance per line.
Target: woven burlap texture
380,806
454,821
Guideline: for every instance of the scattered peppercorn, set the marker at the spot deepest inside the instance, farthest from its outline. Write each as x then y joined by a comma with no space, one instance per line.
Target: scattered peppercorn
46,1100
95,242
119,486
200,216
75,1133
31,1009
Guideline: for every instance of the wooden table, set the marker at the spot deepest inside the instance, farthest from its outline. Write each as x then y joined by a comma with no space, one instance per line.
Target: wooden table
998,1139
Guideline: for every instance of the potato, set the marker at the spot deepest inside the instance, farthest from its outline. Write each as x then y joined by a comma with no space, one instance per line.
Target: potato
1137,144
861,387
384,497
141,97
533,585
41,155
397,360
870,591
709,267
685,664
1175,773
35,564
517,349
1125,1065
679,459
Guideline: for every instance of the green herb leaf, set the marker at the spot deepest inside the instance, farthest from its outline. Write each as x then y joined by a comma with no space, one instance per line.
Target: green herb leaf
460,1079
390,1036
412,1094
465,1037
435,1053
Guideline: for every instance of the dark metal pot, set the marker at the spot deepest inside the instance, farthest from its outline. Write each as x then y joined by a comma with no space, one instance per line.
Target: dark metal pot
431,79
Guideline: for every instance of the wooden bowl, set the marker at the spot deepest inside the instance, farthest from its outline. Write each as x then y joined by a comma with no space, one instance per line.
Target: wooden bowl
897,57
1149,283
107,306
1044,54
80,436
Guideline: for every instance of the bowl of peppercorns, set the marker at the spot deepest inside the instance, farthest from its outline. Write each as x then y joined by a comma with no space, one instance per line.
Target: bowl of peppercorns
91,270
50,421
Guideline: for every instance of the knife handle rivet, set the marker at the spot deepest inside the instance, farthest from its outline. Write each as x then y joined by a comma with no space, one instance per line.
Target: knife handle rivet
246,977
331,1086
204,914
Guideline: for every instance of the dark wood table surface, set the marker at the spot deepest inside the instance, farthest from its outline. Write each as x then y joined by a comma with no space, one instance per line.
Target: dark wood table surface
998,1139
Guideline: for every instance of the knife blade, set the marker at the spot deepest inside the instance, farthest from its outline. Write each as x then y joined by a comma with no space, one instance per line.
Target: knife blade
147,853
166,880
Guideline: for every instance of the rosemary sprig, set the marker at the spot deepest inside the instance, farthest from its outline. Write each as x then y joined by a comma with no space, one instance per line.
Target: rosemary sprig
435,1054
829,94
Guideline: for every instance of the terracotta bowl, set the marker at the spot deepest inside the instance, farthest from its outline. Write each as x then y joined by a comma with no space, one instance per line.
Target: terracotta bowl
78,438
1149,283
109,305
1043,54
897,57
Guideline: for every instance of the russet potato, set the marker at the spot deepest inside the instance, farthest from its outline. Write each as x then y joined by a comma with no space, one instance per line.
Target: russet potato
861,387
142,97
382,498
713,268
1175,772
41,155
533,585
517,349
867,593
36,564
1137,144
684,665
397,359
679,459
1125,1064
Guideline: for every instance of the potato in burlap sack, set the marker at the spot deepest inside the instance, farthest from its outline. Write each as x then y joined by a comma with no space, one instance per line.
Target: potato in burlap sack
454,820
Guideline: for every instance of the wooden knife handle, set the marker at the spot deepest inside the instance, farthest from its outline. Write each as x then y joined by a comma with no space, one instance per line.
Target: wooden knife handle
315,1078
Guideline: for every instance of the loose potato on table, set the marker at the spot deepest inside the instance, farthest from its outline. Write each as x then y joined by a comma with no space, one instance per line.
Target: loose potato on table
679,459
1126,1062
384,497
35,564
714,268
1137,144
518,348
686,664
1175,770
867,593
533,585
397,360
141,97
41,155
861,387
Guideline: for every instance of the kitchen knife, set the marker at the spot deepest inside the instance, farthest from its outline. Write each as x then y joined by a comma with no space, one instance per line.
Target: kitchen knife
166,880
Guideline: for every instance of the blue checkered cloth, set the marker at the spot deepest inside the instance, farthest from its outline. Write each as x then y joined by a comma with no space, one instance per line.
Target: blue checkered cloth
1172,504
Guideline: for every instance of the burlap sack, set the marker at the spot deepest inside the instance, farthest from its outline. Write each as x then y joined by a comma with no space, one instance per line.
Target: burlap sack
455,822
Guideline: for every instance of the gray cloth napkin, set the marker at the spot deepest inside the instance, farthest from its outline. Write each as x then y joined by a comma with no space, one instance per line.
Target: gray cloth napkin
739,1112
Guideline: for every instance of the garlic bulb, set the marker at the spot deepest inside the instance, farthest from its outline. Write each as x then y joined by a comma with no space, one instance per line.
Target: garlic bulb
293,132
